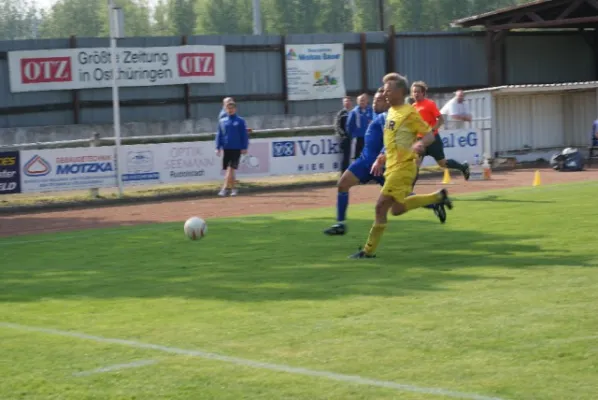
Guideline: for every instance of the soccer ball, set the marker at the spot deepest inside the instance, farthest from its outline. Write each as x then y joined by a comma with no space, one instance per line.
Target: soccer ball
195,228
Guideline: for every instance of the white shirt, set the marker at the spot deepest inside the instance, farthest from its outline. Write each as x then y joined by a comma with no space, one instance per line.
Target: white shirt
453,107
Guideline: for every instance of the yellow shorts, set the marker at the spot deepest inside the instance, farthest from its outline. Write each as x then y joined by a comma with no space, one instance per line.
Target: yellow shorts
399,184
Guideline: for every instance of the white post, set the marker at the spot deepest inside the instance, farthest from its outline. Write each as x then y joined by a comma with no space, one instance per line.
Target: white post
257,17
116,28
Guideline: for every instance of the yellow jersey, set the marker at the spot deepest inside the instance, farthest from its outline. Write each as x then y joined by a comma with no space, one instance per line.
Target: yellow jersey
403,123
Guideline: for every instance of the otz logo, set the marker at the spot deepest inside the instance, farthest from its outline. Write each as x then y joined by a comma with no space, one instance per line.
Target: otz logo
284,149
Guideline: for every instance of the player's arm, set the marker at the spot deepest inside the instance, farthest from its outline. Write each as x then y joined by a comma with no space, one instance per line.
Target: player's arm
439,117
417,124
219,140
244,136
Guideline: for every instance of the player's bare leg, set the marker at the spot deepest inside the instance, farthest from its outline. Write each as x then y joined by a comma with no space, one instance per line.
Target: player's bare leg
383,204
345,183
232,181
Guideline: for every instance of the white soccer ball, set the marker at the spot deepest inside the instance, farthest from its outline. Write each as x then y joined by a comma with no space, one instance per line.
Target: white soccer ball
195,228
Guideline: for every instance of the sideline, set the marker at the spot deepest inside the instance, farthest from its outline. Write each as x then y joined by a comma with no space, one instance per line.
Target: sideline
354,379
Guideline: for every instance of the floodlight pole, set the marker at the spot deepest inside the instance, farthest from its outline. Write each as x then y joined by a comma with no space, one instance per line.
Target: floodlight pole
257,17
115,17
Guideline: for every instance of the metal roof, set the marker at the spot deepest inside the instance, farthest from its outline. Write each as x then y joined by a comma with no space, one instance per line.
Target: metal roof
477,19
535,88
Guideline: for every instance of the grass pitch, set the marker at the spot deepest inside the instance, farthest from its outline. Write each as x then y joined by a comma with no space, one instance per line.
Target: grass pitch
498,303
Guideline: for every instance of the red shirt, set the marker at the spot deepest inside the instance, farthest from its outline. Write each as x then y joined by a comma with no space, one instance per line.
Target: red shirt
429,113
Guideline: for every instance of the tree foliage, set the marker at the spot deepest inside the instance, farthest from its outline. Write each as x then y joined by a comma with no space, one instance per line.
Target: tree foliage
19,19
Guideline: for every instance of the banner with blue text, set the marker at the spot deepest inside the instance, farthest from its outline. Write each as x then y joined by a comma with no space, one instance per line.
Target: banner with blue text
460,145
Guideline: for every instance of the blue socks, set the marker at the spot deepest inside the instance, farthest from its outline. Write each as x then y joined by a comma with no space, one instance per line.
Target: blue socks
342,202
429,206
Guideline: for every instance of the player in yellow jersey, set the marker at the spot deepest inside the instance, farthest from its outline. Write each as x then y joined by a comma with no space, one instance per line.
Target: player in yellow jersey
403,149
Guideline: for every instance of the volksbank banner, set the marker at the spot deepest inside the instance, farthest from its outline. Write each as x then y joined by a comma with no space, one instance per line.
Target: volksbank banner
91,68
53,170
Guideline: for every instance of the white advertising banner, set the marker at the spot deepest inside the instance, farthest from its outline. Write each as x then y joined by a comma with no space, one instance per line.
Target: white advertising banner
67,169
91,68
305,155
169,163
140,164
189,162
460,145
315,71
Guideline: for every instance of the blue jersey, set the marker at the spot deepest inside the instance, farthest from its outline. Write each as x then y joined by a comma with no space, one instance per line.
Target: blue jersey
358,121
374,139
232,133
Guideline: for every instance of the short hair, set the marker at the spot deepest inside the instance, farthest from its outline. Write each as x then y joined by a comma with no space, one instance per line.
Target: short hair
380,89
347,98
422,85
227,100
399,80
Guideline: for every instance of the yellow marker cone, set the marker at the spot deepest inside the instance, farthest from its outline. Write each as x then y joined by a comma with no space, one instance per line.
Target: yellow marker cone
537,180
446,180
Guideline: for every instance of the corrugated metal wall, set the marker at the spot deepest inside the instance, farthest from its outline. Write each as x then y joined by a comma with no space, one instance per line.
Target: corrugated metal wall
548,59
543,121
580,112
444,61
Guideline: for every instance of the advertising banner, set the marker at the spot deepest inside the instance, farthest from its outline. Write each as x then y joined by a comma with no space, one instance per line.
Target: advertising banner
67,169
315,71
256,162
305,155
459,144
10,177
189,162
91,68
140,164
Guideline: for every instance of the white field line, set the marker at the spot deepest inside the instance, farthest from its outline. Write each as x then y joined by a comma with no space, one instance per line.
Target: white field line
354,379
116,367
89,233
575,339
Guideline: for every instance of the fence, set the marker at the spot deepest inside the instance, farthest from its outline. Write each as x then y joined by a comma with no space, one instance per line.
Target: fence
52,167
256,74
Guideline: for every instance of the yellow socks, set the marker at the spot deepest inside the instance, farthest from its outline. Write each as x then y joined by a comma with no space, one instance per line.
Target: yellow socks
374,238
421,200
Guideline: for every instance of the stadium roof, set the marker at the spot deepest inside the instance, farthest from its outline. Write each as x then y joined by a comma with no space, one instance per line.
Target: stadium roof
552,87
536,15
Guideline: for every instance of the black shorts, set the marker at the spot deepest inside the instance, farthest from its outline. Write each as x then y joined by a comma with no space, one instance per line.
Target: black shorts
231,159
436,149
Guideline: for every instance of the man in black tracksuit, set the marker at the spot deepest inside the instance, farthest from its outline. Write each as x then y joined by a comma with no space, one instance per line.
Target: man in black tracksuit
341,130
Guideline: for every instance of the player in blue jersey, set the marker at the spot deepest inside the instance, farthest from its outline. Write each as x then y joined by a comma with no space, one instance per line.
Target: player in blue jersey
360,170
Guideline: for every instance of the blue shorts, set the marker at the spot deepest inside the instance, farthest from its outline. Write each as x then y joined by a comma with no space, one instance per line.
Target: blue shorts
361,169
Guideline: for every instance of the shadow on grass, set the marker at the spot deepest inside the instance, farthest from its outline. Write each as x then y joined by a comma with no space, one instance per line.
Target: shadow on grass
265,259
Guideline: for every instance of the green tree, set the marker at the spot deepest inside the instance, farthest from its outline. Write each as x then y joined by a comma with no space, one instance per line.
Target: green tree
335,16
224,17
90,19
161,24
366,17
19,19
181,16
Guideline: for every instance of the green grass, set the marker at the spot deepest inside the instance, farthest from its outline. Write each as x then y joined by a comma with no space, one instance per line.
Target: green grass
501,301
